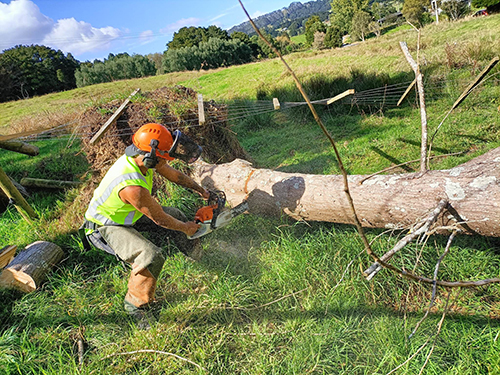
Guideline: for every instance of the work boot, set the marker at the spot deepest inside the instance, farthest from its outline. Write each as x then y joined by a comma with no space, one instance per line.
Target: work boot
140,294
143,317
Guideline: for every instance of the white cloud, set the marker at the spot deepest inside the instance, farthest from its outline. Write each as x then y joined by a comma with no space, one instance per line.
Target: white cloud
21,22
79,37
217,17
146,37
181,23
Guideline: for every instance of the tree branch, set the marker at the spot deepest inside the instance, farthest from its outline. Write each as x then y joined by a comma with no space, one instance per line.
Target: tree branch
420,228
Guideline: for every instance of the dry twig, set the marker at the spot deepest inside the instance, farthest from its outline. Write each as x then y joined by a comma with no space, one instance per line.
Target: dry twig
419,229
434,287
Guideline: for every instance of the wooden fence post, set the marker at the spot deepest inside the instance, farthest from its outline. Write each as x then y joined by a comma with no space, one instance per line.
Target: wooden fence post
201,110
112,119
276,104
12,193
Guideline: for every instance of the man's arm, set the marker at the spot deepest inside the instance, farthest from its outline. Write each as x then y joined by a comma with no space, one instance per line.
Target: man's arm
142,200
180,178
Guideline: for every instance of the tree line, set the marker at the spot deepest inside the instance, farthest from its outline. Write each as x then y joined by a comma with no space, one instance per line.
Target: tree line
27,71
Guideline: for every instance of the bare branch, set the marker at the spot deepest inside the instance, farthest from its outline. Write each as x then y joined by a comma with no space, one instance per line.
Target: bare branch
434,287
421,228
421,95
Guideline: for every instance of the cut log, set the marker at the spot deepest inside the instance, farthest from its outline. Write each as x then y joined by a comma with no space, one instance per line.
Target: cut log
383,201
48,184
21,147
7,254
30,267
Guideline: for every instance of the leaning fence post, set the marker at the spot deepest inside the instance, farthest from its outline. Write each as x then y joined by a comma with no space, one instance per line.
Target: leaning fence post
13,194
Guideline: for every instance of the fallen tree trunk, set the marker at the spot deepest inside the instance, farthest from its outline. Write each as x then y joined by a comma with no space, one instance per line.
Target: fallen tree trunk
382,201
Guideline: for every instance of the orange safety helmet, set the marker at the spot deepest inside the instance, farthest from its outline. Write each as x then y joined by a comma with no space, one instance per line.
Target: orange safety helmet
148,132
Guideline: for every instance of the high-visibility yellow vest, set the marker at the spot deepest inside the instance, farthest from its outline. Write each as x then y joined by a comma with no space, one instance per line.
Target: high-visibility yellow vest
106,207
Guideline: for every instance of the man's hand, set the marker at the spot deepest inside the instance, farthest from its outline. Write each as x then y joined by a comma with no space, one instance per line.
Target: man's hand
190,228
206,194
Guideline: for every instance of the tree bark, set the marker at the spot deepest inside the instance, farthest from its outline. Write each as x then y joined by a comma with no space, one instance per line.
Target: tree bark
30,267
382,201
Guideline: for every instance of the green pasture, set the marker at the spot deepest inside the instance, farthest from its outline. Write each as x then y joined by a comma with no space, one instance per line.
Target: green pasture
271,295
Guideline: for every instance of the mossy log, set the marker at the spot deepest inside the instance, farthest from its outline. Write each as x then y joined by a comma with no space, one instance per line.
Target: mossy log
29,268
21,147
383,201
48,184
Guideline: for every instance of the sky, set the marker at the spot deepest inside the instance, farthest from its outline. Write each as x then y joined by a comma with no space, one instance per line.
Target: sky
91,29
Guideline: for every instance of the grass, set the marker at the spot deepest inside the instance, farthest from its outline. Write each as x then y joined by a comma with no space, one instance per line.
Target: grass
299,38
273,296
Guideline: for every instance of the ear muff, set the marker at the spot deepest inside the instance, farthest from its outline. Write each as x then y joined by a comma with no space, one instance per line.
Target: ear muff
150,160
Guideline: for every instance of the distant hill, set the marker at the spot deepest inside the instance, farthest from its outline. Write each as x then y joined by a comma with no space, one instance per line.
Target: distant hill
283,18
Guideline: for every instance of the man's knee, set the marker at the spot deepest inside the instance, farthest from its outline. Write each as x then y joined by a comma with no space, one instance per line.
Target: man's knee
156,263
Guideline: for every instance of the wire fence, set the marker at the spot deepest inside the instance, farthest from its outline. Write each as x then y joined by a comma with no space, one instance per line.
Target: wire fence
384,96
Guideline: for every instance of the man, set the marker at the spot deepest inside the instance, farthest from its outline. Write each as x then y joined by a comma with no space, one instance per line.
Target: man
124,196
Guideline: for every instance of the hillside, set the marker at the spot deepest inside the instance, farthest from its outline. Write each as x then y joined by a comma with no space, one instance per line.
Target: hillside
284,17
270,295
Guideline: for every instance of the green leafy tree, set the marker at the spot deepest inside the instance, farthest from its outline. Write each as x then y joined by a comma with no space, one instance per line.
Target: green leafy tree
207,55
375,28
245,38
157,59
193,36
115,67
455,9
343,11
360,25
35,70
265,50
413,11
380,10
313,25
215,32
333,37
186,37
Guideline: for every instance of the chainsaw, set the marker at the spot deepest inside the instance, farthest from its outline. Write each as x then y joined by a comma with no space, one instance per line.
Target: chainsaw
214,215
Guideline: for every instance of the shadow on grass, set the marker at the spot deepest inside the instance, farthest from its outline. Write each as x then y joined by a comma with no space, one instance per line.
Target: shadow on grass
392,159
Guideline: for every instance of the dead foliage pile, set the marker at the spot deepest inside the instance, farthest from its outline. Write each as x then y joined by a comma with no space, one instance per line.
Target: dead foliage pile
176,108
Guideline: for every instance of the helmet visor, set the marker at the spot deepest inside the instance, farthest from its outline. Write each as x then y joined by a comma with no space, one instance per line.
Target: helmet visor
184,148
